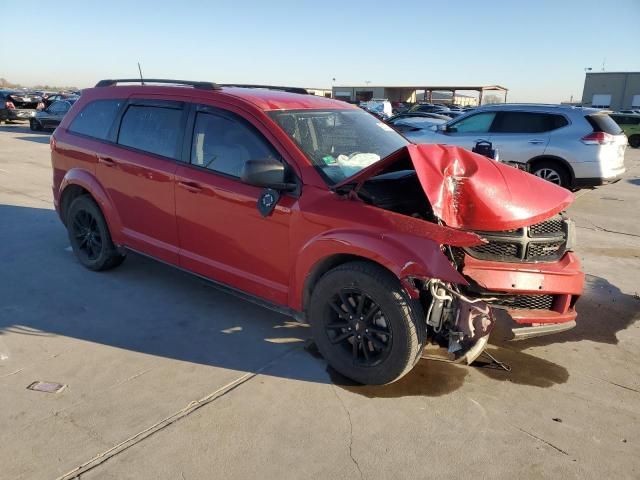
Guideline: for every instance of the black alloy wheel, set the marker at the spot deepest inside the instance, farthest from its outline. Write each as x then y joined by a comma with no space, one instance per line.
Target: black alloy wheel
359,326
364,323
89,235
85,229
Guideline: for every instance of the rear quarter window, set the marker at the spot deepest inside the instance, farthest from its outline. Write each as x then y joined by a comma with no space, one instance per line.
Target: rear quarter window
96,118
601,122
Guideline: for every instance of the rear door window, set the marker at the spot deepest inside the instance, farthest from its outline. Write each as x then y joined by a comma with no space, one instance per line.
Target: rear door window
153,129
601,122
96,118
527,122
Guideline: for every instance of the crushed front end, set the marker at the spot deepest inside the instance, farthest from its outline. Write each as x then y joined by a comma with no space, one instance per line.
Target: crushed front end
520,258
531,272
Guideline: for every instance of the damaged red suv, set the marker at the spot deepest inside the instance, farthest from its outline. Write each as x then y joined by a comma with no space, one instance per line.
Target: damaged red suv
316,208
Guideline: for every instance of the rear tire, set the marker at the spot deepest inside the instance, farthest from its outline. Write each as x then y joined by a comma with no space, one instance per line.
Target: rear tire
364,324
553,172
34,125
634,141
89,235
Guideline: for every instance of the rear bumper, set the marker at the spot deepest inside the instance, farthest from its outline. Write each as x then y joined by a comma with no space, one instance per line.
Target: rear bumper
20,114
562,279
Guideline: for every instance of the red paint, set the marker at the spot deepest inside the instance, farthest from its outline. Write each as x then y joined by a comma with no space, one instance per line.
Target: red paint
209,224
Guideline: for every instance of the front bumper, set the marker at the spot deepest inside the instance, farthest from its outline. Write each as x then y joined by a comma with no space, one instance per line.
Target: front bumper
562,279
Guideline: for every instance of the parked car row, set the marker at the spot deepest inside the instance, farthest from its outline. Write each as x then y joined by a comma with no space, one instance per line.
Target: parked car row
43,110
17,105
384,109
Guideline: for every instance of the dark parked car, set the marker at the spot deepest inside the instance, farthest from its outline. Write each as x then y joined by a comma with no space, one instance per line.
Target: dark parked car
317,209
51,116
49,98
630,124
15,105
427,108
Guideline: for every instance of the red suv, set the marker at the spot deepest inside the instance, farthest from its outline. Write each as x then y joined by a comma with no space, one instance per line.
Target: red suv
316,208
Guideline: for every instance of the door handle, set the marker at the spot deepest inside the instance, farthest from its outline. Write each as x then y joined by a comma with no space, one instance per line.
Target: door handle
190,186
106,161
536,141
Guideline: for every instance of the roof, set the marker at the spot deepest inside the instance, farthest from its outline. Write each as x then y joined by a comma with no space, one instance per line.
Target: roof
278,100
262,98
617,73
430,87
531,106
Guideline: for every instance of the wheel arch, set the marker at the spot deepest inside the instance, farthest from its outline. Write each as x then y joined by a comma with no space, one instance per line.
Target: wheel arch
553,158
78,182
395,256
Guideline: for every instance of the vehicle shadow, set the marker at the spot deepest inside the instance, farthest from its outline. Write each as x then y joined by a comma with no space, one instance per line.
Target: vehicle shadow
17,128
147,307
634,181
603,311
36,138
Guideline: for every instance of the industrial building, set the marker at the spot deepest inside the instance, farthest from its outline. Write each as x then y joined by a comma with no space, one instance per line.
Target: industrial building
473,96
611,90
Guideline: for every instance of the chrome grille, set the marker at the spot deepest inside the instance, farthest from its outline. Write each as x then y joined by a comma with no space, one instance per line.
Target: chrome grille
543,242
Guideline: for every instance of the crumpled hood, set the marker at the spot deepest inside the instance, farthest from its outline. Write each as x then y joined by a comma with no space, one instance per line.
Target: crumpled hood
472,192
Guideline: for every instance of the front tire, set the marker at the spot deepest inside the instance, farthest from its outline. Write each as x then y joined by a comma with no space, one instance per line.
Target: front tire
364,324
634,141
553,172
89,235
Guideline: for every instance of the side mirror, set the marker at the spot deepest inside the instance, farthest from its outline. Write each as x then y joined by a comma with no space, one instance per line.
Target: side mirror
268,173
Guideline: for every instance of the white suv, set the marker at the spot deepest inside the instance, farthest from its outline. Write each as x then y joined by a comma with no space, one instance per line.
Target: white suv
570,146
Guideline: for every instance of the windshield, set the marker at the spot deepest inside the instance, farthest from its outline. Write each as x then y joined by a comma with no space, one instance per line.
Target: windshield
339,143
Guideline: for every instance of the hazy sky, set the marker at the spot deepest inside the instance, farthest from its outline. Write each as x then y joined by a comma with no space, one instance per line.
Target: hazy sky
537,49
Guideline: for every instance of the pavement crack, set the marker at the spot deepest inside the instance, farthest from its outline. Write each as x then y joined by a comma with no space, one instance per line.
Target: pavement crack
615,384
598,228
133,377
346,410
541,440
194,405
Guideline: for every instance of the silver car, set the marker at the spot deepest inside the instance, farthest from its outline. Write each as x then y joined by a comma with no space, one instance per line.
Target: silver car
570,146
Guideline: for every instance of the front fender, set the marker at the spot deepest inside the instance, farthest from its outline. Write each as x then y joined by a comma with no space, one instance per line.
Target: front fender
86,180
403,254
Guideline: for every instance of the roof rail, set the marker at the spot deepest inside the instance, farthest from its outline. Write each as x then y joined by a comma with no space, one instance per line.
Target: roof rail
299,90
200,85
